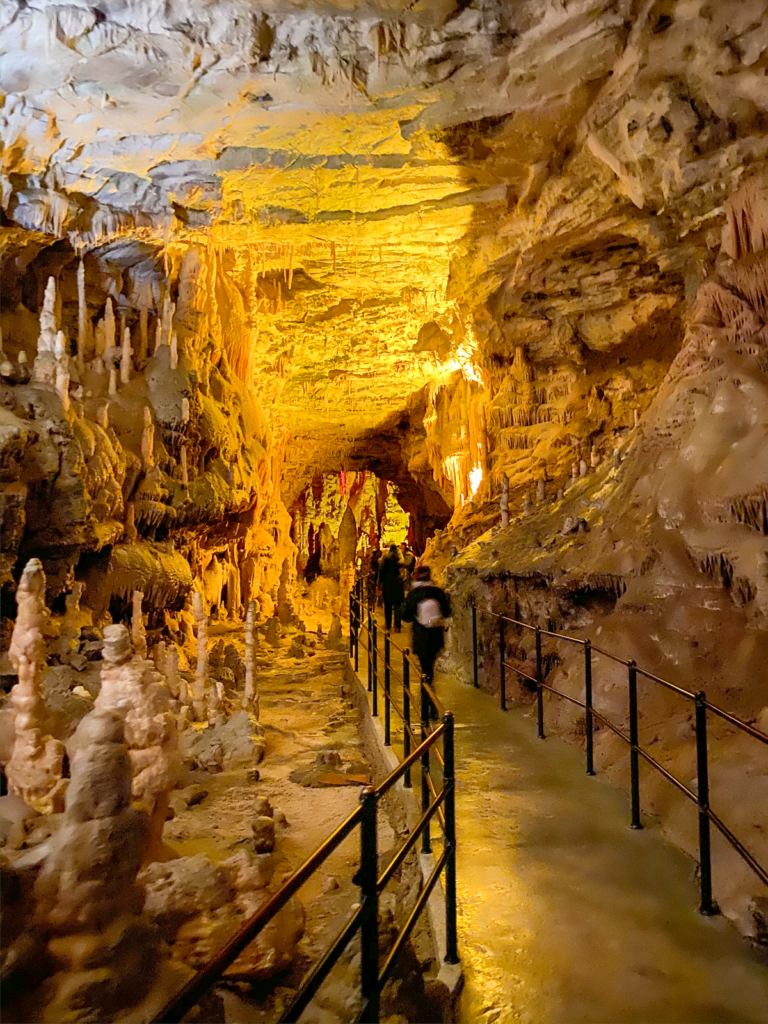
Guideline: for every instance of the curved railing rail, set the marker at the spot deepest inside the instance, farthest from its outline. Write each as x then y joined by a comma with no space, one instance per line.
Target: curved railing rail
636,751
365,918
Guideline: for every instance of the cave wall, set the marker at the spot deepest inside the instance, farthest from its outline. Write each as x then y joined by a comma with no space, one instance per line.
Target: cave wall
136,457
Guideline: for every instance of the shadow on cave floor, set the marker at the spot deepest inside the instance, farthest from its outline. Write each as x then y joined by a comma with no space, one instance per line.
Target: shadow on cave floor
565,914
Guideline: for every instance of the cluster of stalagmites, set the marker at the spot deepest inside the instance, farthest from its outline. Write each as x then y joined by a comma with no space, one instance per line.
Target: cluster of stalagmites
99,915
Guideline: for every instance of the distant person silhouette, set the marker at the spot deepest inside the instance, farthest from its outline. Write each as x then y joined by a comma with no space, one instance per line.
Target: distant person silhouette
392,587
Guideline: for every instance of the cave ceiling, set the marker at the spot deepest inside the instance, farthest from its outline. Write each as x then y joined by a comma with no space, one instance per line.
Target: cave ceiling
373,174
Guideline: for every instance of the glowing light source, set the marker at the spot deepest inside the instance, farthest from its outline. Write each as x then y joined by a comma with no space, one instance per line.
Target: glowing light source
475,479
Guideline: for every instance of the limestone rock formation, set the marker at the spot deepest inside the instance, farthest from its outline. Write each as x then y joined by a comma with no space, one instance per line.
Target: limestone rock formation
36,766
131,687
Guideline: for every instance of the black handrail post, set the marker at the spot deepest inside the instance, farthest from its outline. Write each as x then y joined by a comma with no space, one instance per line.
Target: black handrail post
634,759
369,926
588,702
708,907
406,716
502,665
351,625
451,938
539,687
370,656
375,669
387,667
475,678
358,624
426,842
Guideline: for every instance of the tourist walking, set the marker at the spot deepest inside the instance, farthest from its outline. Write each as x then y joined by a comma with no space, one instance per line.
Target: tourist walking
427,606
392,587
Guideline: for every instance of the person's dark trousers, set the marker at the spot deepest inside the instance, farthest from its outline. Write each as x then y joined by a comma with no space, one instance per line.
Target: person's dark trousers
389,608
428,673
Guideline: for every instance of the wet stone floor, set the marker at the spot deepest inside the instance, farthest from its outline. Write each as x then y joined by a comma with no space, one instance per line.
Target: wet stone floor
567,915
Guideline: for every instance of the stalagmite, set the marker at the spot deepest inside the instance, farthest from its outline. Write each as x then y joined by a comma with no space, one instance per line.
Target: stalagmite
541,489
112,387
125,361
83,326
583,467
158,336
102,416
174,351
148,440
88,904
131,687
44,367
250,679
185,410
527,503
199,703
109,326
594,457
184,467
138,633
36,765
143,332
61,381
504,503
635,417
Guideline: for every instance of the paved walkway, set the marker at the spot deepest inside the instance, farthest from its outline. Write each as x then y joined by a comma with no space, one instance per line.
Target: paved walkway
566,915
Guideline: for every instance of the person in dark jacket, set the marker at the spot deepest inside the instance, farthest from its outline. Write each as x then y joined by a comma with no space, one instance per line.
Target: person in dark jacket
426,607
373,575
392,589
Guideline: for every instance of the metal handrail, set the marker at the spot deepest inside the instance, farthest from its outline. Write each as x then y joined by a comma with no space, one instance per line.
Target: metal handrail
702,706
365,917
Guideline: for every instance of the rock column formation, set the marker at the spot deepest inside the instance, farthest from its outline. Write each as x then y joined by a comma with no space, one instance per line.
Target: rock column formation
35,767
131,687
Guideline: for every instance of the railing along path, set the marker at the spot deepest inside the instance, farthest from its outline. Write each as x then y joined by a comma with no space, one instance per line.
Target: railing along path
701,705
419,744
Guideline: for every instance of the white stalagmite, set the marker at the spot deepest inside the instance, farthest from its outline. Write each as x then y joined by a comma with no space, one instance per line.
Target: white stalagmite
83,339
138,633
125,362
62,383
185,410
36,765
158,335
44,366
174,350
112,381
